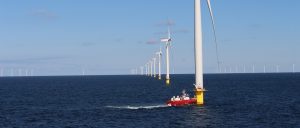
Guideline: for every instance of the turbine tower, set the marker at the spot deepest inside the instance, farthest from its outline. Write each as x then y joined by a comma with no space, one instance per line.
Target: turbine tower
168,44
159,63
293,68
199,88
151,68
83,72
154,67
148,68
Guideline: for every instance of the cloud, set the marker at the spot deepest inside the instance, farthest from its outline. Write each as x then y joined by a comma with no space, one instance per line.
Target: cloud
178,31
152,41
166,23
32,60
87,44
44,14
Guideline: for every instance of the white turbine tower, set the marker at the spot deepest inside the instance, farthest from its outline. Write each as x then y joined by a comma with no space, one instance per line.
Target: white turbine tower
146,69
154,67
253,68
159,63
264,68
83,72
168,44
151,68
293,68
148,66
277,68
198,50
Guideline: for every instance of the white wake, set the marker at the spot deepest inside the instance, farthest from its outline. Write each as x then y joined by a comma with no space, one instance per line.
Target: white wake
138,107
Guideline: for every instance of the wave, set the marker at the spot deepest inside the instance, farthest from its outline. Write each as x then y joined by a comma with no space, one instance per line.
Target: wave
138,107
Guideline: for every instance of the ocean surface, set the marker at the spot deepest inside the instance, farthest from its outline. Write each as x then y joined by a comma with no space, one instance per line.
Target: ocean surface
232,100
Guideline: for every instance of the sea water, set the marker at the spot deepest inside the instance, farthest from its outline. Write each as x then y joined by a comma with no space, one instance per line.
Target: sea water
231,100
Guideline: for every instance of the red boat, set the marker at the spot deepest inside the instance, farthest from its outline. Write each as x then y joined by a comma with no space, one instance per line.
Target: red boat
182,102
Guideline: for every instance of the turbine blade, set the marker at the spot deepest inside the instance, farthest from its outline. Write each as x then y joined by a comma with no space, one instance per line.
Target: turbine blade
214,30
169,32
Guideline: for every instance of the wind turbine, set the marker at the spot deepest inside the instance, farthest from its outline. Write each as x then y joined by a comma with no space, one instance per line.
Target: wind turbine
148,67
244,68
168,44
151,68
253,68
83,72
159,63
199,88
293,68
264,68
154,67
277,68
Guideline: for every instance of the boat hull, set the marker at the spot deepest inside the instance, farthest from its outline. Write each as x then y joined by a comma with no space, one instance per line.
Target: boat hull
182,102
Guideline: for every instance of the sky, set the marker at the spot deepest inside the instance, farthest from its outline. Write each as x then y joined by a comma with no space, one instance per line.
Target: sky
104,37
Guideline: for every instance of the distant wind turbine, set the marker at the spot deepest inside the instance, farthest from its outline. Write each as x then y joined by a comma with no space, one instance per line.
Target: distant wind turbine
168,44
159,63
151,68
148,67
83,71
154,67
293,68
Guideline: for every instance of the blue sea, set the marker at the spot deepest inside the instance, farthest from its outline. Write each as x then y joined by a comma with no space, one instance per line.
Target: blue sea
232,100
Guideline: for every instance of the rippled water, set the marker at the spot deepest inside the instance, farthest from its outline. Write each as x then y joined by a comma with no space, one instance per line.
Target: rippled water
232,100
